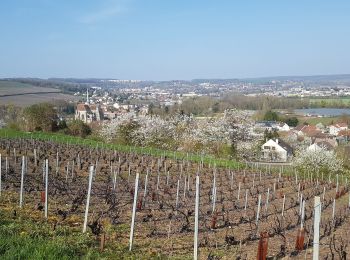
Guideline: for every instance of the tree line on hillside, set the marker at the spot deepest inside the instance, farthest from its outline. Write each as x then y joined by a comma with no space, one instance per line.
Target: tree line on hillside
206,105
42,117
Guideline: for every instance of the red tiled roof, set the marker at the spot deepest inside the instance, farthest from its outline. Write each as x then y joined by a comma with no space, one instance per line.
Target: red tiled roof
344,133
339,125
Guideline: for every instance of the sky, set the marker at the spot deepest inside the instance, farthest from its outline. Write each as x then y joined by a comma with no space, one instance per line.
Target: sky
173,39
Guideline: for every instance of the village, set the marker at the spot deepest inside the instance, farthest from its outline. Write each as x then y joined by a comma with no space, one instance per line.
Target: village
301,137
281,142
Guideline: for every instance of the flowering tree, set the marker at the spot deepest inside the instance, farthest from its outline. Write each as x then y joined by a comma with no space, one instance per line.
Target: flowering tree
180,132
115,129
318,161
239,125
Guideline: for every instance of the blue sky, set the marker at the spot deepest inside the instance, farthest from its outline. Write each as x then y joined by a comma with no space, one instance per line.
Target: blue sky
173,39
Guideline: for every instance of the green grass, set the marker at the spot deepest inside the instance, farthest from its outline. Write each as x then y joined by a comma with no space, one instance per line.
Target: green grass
315,120
330,99
66,139
25,238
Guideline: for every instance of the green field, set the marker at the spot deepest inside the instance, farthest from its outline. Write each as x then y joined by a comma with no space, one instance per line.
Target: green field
331,101
315,120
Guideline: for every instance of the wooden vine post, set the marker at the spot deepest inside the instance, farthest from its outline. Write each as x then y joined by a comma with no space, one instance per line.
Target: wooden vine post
46,186
88,198
134,212
317,219
195,244
22,183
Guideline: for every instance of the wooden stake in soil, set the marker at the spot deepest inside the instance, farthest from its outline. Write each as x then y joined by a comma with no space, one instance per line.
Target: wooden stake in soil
239,191
46,186
177,193
267,200
258,211
246,199
88,198
145,190
283,204
317,218
134,212
195,246
333,213
57,163
324,192
302,214
35,158
6,166
337,187
22,183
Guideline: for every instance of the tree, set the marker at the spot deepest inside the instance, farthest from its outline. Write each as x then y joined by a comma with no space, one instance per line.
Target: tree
270,134
78,128
40,117
151,109
317,162
62,124
292,121
271,116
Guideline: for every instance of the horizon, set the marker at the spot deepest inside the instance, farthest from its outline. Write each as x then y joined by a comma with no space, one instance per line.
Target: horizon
157,80
182,40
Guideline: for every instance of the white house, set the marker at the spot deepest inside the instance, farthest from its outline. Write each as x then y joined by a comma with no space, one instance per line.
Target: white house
323,145
283,127
336,128
276,150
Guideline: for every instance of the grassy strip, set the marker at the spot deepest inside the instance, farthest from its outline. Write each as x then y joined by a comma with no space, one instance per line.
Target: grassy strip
22,237
66,139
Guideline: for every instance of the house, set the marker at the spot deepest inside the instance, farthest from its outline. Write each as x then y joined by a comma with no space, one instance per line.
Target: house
321,145
320,127
343,137
336,128
266,125
276,150
306,130
290,136
89,113
283,127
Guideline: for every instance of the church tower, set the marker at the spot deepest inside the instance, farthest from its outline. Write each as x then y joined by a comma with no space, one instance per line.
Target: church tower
87,96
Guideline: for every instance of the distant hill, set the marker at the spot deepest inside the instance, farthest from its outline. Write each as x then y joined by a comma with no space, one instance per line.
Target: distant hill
69,85
24,94
345,78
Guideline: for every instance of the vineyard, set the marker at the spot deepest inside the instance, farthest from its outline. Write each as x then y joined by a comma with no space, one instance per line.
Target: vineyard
148,203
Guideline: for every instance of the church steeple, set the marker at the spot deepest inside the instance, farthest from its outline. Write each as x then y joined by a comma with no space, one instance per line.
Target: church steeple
87,96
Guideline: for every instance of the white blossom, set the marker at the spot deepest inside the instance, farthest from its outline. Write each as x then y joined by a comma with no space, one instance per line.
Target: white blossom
181,132
318,161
